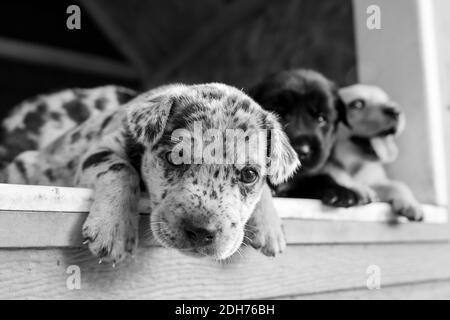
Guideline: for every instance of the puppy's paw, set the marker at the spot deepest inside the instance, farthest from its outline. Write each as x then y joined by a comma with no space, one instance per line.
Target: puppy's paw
264,231
269,239
340,197
366,195
409,209
110,237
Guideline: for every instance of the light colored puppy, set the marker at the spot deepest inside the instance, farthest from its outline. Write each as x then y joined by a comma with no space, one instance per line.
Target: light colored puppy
365,143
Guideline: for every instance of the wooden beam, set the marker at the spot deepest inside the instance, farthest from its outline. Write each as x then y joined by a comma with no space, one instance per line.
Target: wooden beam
159,273
61,58
39,216
62,199
426,290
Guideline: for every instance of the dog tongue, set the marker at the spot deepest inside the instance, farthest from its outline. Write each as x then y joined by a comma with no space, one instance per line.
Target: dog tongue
385,148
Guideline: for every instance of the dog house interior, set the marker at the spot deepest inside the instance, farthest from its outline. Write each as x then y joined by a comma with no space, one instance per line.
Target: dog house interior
331,253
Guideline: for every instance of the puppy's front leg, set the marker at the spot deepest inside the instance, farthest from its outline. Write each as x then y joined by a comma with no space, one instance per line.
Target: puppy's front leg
325,188
401,199
111,228
264,227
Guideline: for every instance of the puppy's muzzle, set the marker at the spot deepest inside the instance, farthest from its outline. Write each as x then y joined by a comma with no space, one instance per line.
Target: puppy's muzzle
199,236
392,112
304,151
307,149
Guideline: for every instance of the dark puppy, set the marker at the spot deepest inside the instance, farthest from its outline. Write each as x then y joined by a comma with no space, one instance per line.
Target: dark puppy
310,110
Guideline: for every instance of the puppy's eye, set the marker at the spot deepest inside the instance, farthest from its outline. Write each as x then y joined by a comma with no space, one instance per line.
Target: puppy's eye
322,120
248,175
169,159
357,104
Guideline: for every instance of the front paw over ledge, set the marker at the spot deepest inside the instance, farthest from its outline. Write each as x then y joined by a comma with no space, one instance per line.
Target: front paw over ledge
265,233
410,209
270,241
339,196
110,237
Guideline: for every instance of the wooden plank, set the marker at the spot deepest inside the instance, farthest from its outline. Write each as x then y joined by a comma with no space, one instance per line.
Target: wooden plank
374,212
62,58
63,229
435,290
158,273
63,199
40,216
407,70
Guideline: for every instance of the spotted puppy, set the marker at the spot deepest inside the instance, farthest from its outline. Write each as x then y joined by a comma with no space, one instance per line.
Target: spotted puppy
197,208
310,110
36,122
363,146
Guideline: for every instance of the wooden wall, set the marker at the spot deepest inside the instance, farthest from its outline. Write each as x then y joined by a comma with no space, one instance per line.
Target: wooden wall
41,253
235,42
335,271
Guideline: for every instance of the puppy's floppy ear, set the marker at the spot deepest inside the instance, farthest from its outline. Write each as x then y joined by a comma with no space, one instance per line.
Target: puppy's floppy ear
147,116
282,159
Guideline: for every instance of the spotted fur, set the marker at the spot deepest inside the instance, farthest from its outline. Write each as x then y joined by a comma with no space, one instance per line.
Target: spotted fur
37,122
118,150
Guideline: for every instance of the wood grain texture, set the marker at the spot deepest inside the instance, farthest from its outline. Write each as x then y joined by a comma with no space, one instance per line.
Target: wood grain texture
62,199
63,229
40,216
434,290
158,273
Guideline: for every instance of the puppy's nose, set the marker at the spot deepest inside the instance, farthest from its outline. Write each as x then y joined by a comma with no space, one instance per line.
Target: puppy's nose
304,151
394,113
199,236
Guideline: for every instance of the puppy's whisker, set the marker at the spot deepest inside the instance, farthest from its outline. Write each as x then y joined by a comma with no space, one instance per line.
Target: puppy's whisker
249,231
159,221
170,246
156,223
247,228
240,253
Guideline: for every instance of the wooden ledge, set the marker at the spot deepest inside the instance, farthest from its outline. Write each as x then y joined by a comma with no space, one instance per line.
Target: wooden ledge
42,216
